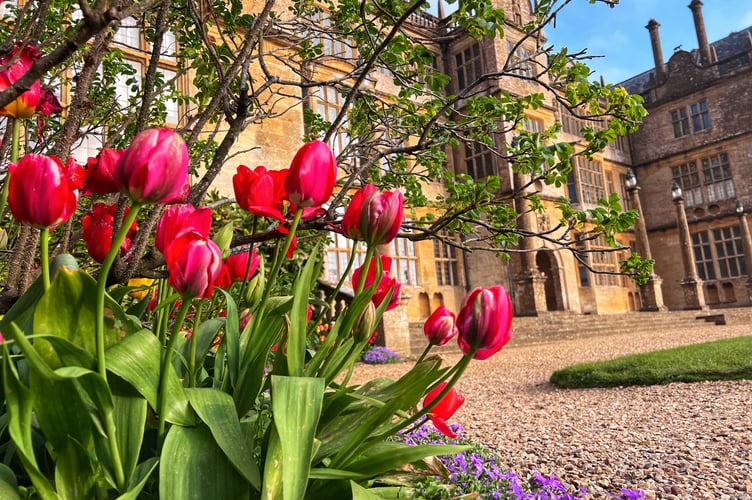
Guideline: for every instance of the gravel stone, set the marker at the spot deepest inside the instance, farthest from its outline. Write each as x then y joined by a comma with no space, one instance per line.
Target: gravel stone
671,441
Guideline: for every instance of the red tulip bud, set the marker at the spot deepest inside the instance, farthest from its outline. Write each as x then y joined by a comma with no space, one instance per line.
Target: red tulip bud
439,328
312,175
193,263
484,321
444,409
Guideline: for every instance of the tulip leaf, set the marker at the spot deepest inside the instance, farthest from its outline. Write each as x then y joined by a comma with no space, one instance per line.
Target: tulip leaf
223,238
8,484
137,360
217,410
387,456
138,479
18,404
130,420
231,340
296,338
296,406
68,310
360,493
192,466
205,335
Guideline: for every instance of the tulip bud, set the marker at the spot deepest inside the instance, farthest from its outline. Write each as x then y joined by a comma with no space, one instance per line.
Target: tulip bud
313,172
373,216
154,168
444,409
484,321
366,324
439,328
194,263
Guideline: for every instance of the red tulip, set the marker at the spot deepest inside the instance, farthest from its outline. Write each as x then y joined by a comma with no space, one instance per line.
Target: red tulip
313,172
444,409
178,220
193,263
385,284
439,328
373,216
98,228
154,168
101,172
484,321
42,191
238,263
260,191
16,65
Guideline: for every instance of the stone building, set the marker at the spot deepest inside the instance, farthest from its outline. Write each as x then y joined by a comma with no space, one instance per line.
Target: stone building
698,135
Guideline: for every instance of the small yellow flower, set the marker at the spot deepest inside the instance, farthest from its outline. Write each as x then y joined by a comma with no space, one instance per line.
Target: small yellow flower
143,283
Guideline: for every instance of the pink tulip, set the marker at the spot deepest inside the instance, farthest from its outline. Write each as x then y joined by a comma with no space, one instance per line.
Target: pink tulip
439,328
97,231
16,65
238,263
101,172
42,191
154,168
385,283
313,172
373,216
444,409
484,321
193,263
178,220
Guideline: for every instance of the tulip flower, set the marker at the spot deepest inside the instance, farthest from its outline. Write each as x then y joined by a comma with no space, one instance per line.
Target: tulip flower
440,327
42,191
385,283
97,231
101,172
260,191
178,220
313,172
193,263
35,99
238,263
154,168
373,216
444,409
16,65
484,321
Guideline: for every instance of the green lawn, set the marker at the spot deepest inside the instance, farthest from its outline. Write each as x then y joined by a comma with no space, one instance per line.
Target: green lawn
729,359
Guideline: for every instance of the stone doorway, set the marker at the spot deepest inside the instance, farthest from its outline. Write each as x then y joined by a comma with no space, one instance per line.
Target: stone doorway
546,263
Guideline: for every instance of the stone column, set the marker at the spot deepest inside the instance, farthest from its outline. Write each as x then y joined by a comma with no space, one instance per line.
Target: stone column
530,291
694,296
651,292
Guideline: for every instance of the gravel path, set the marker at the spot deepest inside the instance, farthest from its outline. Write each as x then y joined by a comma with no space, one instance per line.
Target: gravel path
674,442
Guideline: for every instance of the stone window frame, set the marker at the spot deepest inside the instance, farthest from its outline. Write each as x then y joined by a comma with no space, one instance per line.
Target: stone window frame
468,65
690,119
404,261
479,161
710,183
447,263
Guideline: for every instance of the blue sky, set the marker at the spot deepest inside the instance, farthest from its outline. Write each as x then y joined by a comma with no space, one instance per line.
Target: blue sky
620,36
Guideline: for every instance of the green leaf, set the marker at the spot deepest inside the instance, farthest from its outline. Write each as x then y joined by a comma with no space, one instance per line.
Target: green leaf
384,457
217,410
296,339
8,484
205,335
139,478
130,420
192,466
137,360
296,406
360,493
19,408
231,340
68,310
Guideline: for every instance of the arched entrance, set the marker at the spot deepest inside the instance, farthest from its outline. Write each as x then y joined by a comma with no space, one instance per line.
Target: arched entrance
546,263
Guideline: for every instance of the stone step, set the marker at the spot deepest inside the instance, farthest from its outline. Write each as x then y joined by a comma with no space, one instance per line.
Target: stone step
559,326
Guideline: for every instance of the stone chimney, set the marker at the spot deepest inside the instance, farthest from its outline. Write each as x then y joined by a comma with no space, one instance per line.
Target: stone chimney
655,41
702,36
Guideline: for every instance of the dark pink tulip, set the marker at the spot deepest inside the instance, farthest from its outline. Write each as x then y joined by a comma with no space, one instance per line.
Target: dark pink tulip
385,283
42,191
178,220
15,65
313,172
484,321
439,328
101,172
97,231
444,409
154,168
193,263
238,263
373,216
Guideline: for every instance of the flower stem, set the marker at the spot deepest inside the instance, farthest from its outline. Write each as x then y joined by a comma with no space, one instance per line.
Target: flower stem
14,147
102,285
192,360
424,353
44,256
163,373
